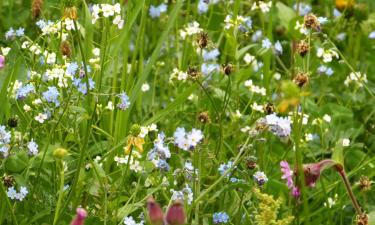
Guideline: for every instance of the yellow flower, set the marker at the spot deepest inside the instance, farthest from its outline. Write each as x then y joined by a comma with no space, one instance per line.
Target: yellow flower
137,142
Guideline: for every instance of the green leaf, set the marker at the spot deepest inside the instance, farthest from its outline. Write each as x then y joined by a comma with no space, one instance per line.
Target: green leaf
285,14
338,153
17,162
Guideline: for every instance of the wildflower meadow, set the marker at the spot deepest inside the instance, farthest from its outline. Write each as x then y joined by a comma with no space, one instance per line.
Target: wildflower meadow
198,112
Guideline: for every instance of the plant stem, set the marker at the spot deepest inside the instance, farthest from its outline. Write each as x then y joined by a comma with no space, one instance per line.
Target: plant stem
350,191
14,218
61,192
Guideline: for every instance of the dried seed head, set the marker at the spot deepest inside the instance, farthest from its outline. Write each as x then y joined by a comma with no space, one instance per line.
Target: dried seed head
362,219
8,180
365,183
301,79
227,69
193,73
251,162
13,122
203,117
65,49
303,48
70,13
203,40
311,22
36,8
269,108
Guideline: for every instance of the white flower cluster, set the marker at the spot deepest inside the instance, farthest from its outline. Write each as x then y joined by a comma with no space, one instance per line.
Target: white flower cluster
255,89
178,75
187,141
146,129
263,6
13,194
278,125
240,22
107,10
358,78
134,164
5,137
251,60
34,48
326,54
185,194
129,220
190,30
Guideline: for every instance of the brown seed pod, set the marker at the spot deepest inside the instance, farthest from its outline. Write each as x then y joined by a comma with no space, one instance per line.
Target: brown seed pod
227,69
204,117
193,73
269,108
301,79
365,183
8,180
36,8
311,22
303,48
65,49
203,40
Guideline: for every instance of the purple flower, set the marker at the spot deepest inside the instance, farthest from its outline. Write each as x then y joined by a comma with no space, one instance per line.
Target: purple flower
2,61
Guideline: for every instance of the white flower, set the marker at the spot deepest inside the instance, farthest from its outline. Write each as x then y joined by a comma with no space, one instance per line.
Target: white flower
248,58
372,35
202,7
210,55
255,89
327,54
327,118
5,51
41,117
358,78
145,87
108,10
257,107
118,21
278,48
345,142
266,43
27,108
32,146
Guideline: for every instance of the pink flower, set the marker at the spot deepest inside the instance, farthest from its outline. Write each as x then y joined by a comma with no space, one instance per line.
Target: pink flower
175,214
312,171
2,61
287,173
155,213
80,217
288,176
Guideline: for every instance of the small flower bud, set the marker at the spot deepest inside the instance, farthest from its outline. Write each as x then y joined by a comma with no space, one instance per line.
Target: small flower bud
269,108
203,117
80,217
193,73
303,48
362,219
13,122
365,183
202,40
60,153
36,8
227,69
301,79
311,22
65,49
70,13
135,130
251,162
8,181
175,214
155,214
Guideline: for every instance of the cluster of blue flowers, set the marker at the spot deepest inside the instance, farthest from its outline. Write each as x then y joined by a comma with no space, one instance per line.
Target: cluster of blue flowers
25,90
52,95
220,218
